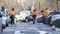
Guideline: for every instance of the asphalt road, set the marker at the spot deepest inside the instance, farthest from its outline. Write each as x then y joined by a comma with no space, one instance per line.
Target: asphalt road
29,28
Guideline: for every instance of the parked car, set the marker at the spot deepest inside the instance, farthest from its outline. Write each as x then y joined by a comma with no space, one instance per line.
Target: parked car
22,16
6,18
49,18
53,13
25,16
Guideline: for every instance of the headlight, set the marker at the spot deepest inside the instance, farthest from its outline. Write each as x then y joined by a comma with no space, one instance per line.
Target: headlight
4,21
4,18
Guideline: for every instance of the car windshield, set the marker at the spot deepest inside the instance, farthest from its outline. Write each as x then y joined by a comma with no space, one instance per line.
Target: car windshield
54,13
25,13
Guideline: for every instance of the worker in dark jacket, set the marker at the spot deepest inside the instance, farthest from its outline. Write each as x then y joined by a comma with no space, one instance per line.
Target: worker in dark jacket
43,16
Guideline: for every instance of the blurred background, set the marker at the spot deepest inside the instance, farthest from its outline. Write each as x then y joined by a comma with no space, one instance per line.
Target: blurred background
22,17
20,5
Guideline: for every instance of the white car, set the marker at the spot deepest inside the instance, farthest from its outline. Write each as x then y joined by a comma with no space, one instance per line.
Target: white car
22,15
5,18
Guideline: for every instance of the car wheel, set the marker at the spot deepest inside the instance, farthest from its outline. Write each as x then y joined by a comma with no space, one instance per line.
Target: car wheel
3,26
57,23
39,20
26,19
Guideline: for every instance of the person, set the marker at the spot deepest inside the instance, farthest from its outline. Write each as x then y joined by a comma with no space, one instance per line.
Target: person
47,14
12,15
43,16
34,14
2,8
47,11
3,11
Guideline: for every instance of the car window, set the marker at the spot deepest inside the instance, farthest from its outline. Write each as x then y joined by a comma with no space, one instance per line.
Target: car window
26,13
54,13
7,13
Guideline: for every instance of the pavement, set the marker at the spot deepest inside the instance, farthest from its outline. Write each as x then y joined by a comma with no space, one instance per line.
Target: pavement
30,28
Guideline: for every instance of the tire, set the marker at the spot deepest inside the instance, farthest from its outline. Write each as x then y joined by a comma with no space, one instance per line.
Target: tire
56,23
26,19
7,23
3,26
39,21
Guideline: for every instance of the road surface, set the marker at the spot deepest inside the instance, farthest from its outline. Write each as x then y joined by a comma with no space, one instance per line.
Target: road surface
29,28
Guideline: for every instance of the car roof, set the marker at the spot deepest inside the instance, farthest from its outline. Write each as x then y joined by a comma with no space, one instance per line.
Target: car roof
54,12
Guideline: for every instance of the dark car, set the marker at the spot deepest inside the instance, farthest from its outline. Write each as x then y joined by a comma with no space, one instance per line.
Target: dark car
52,13
39,20
48,21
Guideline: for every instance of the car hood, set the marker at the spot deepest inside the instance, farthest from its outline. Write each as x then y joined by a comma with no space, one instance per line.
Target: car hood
16,15
4,18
